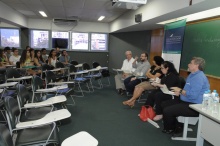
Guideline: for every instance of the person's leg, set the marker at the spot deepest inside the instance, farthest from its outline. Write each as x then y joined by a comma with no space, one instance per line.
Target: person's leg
137,92
126,83
171,112
131,85
150,98
118,83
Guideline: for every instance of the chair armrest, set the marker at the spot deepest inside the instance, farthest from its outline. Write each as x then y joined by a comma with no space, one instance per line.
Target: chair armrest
53,89
19,79
47,119
61,83
78,73
50,101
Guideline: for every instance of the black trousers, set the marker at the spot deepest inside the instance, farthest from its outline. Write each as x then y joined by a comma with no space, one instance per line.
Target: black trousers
175,108
130,85
156,97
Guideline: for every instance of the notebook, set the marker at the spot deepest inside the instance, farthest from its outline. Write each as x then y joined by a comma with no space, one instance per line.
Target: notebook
165,90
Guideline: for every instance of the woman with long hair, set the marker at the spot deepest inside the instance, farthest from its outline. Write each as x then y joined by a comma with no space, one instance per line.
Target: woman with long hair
38,60
52,59
3,59
25,61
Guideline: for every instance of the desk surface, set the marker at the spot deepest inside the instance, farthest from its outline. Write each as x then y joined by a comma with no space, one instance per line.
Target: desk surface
207,113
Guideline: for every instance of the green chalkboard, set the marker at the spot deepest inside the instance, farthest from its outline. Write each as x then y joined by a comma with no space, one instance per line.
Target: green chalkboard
203,40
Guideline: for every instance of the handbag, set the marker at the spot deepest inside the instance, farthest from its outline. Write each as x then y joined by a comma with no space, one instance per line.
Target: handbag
147,112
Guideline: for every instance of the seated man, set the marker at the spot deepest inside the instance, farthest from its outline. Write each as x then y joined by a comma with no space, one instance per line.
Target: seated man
44,54
127,66
15,57
65,58
192,93
141,68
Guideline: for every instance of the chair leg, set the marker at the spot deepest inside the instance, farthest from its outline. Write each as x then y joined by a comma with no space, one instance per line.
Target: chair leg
71,96
184,137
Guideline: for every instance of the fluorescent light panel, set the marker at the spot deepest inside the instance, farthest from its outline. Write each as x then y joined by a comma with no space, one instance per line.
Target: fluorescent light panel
43,13
196,16
101,18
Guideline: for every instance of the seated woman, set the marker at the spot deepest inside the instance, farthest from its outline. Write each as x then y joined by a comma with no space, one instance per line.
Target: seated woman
52,59
25,60
3,59
38,60
153,73
32,54
192,93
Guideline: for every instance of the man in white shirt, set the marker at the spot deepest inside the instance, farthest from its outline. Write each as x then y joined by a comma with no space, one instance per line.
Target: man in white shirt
44,54
126,67
15,57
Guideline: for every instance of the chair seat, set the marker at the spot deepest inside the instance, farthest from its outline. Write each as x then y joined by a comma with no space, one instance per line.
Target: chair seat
35,136
35,113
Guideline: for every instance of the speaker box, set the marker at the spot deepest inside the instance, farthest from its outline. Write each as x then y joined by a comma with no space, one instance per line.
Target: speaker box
138,18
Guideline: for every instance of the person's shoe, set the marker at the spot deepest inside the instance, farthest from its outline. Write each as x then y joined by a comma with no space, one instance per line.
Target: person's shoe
178,132
158,117
167,131
119,91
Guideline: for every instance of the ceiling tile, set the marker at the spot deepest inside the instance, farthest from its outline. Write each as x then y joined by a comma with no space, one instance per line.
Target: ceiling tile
52,2
74,3
94,4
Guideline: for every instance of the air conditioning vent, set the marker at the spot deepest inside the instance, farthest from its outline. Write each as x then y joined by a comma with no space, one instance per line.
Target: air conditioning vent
71,22
128,4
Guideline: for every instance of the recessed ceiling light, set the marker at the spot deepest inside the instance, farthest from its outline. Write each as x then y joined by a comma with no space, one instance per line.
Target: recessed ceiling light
101,18
43,13
196,16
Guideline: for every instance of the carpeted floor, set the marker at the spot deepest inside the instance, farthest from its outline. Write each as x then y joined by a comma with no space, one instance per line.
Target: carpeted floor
103,115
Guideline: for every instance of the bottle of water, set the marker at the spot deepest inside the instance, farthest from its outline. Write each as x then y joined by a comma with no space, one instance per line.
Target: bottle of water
210,100
205,101
215,109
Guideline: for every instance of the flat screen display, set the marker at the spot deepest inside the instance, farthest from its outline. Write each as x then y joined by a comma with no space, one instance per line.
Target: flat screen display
60,39
99,42
39,39
80,41
10,37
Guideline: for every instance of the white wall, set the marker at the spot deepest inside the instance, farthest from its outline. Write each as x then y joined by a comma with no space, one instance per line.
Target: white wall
80,27
152,9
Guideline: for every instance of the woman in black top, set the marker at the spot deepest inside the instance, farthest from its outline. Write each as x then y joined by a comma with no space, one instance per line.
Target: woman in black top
156,97
153,73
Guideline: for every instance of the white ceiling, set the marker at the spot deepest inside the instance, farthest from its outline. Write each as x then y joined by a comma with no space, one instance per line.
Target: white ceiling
85,10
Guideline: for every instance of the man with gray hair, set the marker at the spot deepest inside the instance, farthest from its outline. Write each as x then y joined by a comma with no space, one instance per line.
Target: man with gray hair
127,69
192,93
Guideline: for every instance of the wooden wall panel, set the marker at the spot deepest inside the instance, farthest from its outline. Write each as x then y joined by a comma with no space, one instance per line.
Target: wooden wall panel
213,81
157,37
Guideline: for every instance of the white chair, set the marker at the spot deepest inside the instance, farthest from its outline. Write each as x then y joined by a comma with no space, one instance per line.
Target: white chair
82,138
186,121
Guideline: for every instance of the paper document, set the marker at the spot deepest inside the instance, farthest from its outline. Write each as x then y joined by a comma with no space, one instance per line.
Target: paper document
165,90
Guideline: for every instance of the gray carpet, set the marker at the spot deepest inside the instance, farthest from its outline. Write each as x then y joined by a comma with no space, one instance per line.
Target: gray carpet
103,115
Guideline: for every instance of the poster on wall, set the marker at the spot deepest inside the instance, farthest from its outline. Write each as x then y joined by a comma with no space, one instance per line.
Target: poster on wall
39,39
173,42
10,37
80,41
98,42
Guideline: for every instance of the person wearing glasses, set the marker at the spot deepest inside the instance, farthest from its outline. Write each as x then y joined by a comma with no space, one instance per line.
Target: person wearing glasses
15,57
192,93
126,67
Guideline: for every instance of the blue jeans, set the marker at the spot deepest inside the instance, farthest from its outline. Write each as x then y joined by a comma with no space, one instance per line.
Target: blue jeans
130,85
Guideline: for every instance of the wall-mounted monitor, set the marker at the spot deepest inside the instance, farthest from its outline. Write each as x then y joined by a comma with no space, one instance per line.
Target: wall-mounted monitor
60,39
39,39
80,41
10,37
99,42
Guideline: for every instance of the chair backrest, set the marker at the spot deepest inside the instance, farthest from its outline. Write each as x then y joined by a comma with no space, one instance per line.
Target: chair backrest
59,65
72,68
37,83
12,109
74,62
12,73
46,67
18,64
95,64
182,82
50,76
86,66
23,94
5,137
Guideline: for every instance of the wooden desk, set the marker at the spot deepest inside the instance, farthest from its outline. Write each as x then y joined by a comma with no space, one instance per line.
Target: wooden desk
209,126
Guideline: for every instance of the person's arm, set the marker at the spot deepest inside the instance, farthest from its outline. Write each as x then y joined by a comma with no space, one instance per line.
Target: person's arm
49,61
11,60
36,62
134,64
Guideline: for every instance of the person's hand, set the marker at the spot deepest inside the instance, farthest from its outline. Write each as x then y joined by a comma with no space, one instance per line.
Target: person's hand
132,79
136,58
176,90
